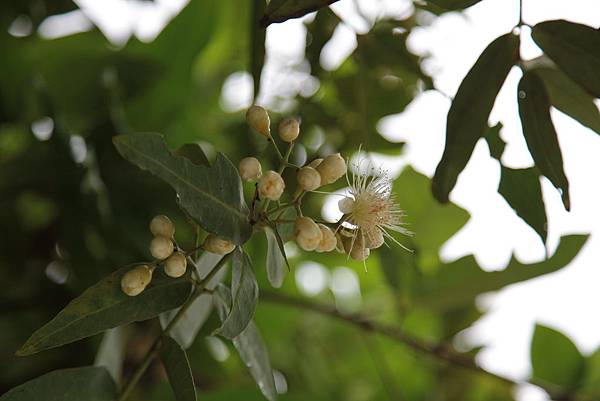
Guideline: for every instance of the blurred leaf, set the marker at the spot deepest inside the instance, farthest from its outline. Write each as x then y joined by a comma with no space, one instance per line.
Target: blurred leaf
540,135
459,282
244,289
210,195
495,142
282,10
575,48
249,345
178,369
194,153
89,383
471,107
569,98
277,264
111,353
104,306
522,190
555,359
453,4
189,324
591,380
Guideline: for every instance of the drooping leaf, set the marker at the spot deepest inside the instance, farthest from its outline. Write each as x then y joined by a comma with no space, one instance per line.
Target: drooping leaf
555,359
277,265
249,345
468,116
104,306
194,153
575,48
178,369
257,59
89,383
540,135
210,195
459,282
189,324
522,190
111,353
244,290
283,10
495,143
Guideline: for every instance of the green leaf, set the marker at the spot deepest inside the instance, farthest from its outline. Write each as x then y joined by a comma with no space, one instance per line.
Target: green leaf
459,282
111,353
522,190
283,10
87,383
210,195
575,48
104,306
277,264
468,116
555,359
495,143
249,345
258,44
591,381
540,135
194,153
453,4
569,98
189,324
178,369
244,289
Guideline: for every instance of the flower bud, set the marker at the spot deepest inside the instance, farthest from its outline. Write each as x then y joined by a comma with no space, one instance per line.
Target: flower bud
315,163
328,240
161,225
345,205
175,265
289,129
250,169
219,246
308,234
331,168
135,280
374,239
309,179
271,186
161,247
258,119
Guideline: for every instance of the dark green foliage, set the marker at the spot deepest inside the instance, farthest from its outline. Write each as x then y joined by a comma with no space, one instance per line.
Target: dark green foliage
178,369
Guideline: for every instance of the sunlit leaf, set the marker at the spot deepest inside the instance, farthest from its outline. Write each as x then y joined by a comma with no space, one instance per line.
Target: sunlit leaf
468,116
178,369
277,266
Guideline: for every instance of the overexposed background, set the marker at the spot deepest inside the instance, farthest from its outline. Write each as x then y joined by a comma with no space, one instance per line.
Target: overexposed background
566,300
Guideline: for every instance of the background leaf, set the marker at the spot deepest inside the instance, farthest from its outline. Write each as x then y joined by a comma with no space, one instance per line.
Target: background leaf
111,353
282,10
540,135
104,306
277,266
178,369
89,383
194,153
468,116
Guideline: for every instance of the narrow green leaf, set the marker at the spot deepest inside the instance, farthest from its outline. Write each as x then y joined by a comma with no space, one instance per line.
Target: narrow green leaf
468,116
111,353
104,306
87,383
212,196
540,135
189,324
194,153
249,345
178,369
555,359
283,10
569,98
277,264
522,190
244,289
495,143
258,44
575,48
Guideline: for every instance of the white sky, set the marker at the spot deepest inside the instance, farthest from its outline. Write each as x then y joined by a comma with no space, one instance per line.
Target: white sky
567,300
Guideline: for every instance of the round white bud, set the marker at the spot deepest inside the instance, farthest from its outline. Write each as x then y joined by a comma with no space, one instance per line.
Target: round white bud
135,280
289,129
345,205
315,163
328,240
219,246
250,169
162,225
331,168
161,247
308,234
271,186
176,265
374,239
258,119
309,179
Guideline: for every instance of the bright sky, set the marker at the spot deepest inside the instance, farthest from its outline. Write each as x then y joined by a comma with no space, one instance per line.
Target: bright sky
567,300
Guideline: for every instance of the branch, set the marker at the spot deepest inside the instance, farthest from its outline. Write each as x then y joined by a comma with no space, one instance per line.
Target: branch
442,352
